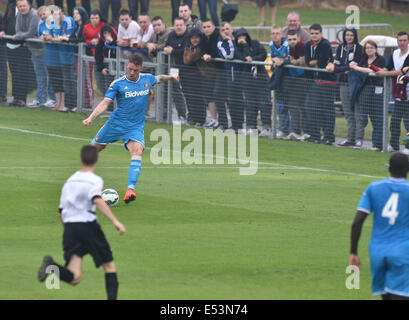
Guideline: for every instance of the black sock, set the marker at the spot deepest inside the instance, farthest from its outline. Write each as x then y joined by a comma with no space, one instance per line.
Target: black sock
65,274
111,285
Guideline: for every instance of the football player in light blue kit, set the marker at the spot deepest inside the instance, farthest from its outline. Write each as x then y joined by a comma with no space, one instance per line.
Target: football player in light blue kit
388,200
127,121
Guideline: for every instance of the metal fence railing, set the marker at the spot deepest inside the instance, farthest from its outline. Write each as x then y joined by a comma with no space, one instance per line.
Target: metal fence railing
231,93
331,32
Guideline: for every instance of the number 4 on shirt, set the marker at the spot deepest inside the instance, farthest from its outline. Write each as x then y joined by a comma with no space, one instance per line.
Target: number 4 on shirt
390,210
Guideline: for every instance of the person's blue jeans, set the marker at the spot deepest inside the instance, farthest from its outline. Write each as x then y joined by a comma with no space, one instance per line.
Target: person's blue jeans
284,121
41,77
213,10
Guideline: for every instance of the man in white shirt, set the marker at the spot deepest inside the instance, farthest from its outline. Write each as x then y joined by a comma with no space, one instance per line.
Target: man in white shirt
80,196
146,31
128,30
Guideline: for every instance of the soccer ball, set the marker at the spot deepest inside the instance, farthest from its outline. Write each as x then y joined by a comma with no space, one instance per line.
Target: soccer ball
110,196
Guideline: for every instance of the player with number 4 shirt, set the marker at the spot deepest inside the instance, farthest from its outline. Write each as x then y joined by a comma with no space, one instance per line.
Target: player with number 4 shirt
388,200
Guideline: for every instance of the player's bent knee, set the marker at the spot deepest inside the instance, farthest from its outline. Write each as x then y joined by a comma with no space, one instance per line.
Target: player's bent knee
109,267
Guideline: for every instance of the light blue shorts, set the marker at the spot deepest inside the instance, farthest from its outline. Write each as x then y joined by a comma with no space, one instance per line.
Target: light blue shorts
390,270
111,133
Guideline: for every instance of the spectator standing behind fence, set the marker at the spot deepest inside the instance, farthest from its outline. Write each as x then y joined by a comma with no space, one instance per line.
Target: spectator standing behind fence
27,27
191,21
81,18
19,58
350,50
320,108
397,67
157,42
104,49
228,89
91,33
192,79
52,57
293,23
175,47
262,4
254,80
3,65
62,32
210,51
280,54
115,9
133,7
371,96
212,4
128,32
145,32
295,86
175,7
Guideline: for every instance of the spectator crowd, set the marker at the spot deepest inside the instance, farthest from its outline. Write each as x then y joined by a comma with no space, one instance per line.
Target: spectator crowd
304,72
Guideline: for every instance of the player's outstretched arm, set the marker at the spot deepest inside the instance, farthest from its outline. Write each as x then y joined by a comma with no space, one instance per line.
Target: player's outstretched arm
164,78
101,107
355,234
104,209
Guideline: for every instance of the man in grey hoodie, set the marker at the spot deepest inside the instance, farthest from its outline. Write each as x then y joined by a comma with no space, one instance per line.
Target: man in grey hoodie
27,22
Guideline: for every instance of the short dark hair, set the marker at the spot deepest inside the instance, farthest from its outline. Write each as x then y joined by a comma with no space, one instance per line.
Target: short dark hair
89,155
185,4
398,165
403,33
136,59
156,18
207,20
292,33
178,18
316,26
124,12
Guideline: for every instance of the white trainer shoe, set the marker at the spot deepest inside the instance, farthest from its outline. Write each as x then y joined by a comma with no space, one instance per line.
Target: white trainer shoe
281,135
50,104
265,133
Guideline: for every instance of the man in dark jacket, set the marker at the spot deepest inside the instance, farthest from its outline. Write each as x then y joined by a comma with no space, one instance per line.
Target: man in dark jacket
320,109
210,51
103,50
350,50
175,47
227,86
3,66
253,81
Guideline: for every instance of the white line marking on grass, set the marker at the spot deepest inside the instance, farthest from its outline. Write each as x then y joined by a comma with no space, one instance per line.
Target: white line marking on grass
152,167
282,166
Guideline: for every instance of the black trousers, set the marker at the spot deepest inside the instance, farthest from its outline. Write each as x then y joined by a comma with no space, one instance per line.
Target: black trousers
191,86
71,5
133,7
22,72
233,96
115,8
3,70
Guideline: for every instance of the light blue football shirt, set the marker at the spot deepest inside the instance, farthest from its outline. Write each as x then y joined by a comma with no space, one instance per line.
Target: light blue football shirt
388,200
132,99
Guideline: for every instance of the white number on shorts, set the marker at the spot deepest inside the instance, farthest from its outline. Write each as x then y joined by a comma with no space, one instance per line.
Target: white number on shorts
390,210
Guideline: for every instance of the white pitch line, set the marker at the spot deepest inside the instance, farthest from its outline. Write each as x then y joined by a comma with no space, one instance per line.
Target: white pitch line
154,167
283,166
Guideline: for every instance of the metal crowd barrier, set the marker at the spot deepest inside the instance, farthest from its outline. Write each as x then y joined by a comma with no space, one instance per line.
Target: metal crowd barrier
331,32
165,95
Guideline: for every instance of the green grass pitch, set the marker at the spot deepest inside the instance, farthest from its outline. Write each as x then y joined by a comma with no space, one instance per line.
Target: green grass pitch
194,232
